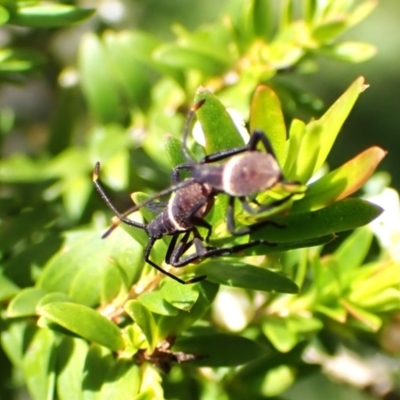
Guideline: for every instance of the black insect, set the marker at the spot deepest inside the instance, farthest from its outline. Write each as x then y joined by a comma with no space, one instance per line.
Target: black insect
240,173
247,172
183,213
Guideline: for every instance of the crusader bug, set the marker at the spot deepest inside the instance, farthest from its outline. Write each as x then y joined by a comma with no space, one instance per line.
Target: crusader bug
191,200
184,211
242,173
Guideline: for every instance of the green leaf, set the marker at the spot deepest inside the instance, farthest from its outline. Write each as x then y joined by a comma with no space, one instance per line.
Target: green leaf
334,118
85,322
246,276
296,133
155,302
353,52
282,338
373,279
173,326
329,30
340,216
370,320
21,168
218,127
76,192
122,382
8,288
321,134
219,350
14,337
266,115
32,221
341,182
352,252
97,83
191,56
173,147
180,296
113,284
98,363
130,57
24,304
4,15
145,320
308,152
51,298
48,15
38,365
71,355
278,380
78,269
361,11
387,300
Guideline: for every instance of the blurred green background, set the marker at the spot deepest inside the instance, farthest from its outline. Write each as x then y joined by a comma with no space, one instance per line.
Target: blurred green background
374,120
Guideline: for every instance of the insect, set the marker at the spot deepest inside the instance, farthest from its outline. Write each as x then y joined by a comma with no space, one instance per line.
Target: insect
243,173
240,173
184,211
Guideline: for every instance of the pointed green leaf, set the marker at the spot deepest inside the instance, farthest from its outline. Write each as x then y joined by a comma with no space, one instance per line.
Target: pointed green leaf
130,60
190,56
122,382
266,115
296,133
352,252
4,15
78,269
361,11
334,118
8,288
85,322
49,15
38,365
218,127
180,296
52,297
308,152
370,320
329,30
24,304
145,320
386,300
337,313
98,86
219,350
71,357
340,216
173,326
341,182
98,363
353,52
173,147
246,276
374,279
14,336
282,338
154,301
321,134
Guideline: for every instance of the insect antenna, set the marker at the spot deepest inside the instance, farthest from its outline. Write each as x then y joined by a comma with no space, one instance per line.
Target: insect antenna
122,217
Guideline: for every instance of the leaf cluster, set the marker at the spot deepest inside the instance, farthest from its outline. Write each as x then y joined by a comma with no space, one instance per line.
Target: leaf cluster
85,317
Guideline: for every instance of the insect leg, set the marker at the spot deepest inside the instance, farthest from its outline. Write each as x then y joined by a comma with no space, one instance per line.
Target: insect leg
146,256
244,230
